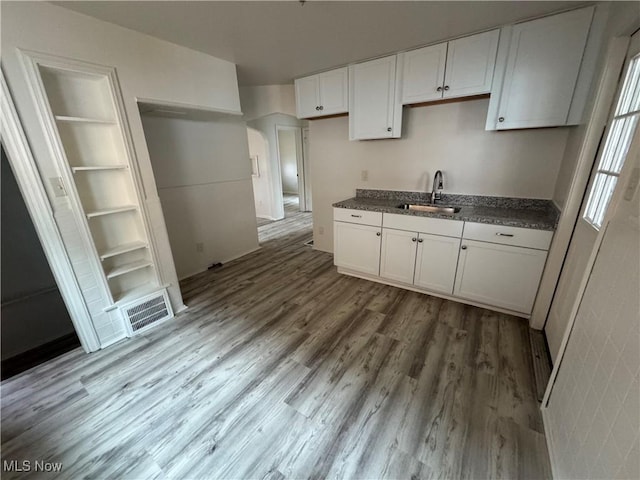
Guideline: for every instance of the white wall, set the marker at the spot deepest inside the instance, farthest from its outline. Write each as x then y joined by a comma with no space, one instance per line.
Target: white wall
593,417
267,126
447,137
288,160
203,175
147,68
258,146
267,99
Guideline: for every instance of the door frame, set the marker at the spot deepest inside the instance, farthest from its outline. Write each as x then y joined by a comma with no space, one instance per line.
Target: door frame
35,197
302,180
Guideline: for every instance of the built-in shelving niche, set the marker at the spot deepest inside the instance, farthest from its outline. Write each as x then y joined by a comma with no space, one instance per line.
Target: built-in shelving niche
83,110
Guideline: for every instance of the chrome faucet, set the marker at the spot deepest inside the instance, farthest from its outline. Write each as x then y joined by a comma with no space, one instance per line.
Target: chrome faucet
437,185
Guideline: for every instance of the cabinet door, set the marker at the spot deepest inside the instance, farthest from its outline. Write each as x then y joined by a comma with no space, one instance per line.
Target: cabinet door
307,97
423,74
398,255
436,262
356,247
333,91
470,64
499,275
374,110
541,70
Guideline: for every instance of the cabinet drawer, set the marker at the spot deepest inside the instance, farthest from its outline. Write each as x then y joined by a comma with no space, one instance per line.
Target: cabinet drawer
519,237
434,226
357,216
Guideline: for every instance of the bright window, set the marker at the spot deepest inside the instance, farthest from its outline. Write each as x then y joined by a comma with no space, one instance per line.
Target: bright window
616,145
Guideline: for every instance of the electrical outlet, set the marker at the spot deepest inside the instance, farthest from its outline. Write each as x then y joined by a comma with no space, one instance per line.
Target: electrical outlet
364,175
199,247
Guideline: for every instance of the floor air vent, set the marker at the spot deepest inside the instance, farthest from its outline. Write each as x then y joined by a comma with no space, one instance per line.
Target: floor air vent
147,311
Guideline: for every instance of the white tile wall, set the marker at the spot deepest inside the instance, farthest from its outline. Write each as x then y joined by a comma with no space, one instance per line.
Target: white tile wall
593,416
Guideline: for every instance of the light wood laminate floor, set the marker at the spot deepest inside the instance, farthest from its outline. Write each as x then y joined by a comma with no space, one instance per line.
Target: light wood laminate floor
281,368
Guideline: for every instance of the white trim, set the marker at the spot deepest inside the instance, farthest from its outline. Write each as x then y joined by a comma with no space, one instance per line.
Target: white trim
223,261
551,447
605,93
28,179
186,106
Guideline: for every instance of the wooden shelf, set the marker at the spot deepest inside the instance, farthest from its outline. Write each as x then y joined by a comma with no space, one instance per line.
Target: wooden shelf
98,168
128,267
124,248
109,211
64,118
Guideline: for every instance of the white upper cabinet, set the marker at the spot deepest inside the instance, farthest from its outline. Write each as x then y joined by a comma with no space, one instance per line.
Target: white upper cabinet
458,68
470,64
375,110
322,94
537,70
423,74
307,96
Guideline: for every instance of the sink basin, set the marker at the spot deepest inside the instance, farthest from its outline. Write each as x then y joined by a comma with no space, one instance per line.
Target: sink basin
429,208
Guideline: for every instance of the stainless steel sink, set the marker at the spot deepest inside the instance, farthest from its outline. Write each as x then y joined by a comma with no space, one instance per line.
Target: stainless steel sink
429,208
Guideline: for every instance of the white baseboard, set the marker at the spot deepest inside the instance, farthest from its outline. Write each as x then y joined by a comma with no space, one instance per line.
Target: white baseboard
549,441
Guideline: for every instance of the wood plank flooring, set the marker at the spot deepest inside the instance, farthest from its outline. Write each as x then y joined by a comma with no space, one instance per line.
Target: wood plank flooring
283,369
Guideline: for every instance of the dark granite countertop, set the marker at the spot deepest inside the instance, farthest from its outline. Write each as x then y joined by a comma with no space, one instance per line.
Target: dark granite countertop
513,212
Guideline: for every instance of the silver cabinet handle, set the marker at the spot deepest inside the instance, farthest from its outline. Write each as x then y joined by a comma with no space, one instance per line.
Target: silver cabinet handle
463,247
356,216
501,119
388,129
321,107
504,234
317,108
378,233
414,239
439,89
446,87
420,240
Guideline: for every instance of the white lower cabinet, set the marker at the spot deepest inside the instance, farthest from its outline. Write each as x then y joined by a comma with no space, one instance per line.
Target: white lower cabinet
398,255
436,261
420,259
483,264
357,247
500,275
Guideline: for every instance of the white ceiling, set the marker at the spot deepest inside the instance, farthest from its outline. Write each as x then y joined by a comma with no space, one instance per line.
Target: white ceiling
274,42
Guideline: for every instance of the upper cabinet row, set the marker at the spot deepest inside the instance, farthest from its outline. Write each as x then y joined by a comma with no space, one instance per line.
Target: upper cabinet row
531,71
322,94
537,70
458,68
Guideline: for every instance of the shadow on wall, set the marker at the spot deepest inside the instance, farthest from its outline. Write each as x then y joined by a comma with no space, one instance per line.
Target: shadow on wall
33,312
201,167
